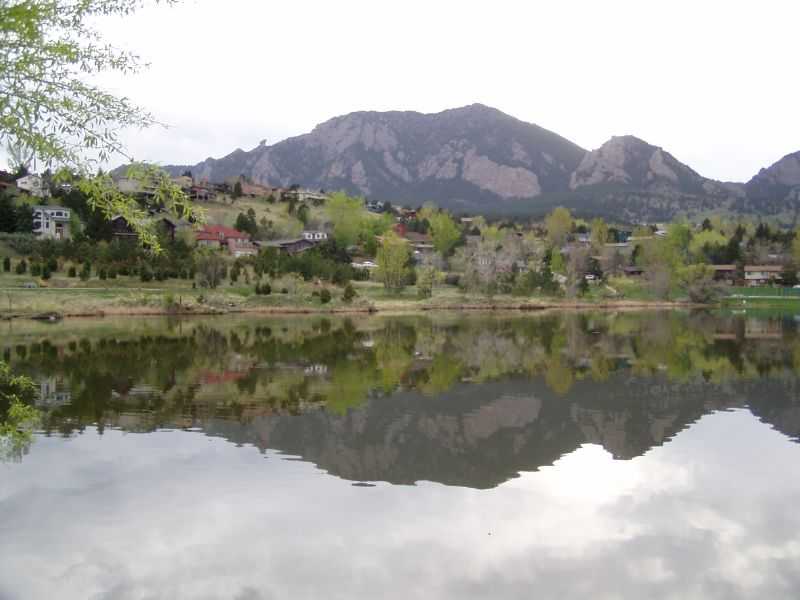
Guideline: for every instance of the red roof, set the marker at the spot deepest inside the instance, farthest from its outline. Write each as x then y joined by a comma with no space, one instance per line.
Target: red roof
212,232
400,228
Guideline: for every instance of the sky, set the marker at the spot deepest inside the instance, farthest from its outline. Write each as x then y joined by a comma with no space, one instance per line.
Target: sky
713,83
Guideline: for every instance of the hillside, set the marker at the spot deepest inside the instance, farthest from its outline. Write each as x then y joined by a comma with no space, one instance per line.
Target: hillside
476,159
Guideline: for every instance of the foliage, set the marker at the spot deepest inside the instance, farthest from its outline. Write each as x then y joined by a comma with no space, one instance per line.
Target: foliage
393,258
15,430
351,223
426,278
247,222
558,224
49,112
325,295
349,293
7,264
21,267
211,266
445,233
697,281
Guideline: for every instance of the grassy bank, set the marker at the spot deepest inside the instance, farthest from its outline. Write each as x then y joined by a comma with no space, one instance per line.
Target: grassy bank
128,295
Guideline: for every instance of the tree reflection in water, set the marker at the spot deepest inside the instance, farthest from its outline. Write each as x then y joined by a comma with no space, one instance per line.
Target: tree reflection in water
468,400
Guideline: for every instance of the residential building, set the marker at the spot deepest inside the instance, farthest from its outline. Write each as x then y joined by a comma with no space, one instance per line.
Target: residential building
51,222
238,243
759,275
315,235
124,230
34,185
726,273
290,246
135,185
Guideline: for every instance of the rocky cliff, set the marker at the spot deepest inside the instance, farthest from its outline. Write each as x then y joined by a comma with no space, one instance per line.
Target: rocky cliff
478,159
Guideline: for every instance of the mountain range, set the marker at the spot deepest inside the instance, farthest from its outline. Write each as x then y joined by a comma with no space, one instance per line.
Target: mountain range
476,159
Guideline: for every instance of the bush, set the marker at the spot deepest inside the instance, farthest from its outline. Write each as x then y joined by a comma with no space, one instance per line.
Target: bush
52,264
24,243
46,271
22,266
73,272
184,273
102,273
349,293
324,295
284,291
145,274
112,273
86,271
124,271
7,264
264,290
36,269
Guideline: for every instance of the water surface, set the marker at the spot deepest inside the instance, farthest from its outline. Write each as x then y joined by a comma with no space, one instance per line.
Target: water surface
582,455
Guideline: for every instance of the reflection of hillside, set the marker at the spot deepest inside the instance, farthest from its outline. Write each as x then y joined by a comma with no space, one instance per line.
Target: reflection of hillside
482,435
463,401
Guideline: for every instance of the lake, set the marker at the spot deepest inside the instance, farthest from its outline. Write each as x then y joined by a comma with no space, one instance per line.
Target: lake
556,455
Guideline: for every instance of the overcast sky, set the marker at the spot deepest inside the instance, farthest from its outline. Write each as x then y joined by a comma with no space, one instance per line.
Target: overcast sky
713,83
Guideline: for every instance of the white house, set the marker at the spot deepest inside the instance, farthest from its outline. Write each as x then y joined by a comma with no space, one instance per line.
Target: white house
34,185
315,235
51,222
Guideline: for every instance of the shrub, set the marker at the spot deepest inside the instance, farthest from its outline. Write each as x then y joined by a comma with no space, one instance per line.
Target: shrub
22,266
349,293
264,290
36,269
73,272
86,271
145,274
124,271
46,271
112,273
7,264
324,295
184,273
284,291
52,264
102,273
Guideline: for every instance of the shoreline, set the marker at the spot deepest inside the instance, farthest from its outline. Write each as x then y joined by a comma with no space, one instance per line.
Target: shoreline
406,308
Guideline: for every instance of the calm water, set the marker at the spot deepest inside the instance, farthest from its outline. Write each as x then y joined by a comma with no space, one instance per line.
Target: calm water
633,455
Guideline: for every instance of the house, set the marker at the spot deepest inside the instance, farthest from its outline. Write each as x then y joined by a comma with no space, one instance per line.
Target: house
254,190
726,273
376,207
419,241
633,271
201,193
318,236
236,242
759,275
51,222
304,195
124,230
34,185
290,246
135,185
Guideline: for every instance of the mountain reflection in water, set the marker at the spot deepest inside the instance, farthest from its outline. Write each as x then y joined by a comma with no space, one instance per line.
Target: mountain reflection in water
468,401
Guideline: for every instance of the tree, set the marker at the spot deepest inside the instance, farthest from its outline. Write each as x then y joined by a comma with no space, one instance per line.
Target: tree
49,110
444,233
558,224
348,217
698,283
211,266
393,270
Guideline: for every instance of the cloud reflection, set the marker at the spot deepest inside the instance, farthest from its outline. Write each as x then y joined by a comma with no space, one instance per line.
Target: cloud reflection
180,515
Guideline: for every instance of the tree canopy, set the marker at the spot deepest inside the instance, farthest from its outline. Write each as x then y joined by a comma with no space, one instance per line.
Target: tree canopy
51,112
